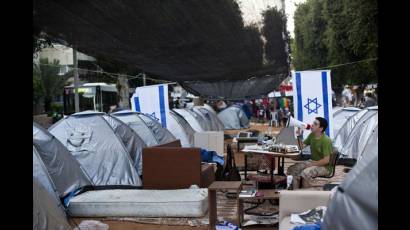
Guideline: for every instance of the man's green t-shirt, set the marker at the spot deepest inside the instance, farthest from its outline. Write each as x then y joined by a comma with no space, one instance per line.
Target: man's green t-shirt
320,148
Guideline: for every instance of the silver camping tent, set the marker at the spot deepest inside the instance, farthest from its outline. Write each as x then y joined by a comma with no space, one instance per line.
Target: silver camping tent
92,141
343,134
234,117
47,215
150,130
358,138
132,141
211,118
64,170
195,120
340,116
354,206
40,173
181,129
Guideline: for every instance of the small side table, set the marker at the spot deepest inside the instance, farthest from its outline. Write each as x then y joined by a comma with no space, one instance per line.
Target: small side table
268,194
217,186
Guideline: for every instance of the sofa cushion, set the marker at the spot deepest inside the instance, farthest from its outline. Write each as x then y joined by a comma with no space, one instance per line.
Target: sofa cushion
140,203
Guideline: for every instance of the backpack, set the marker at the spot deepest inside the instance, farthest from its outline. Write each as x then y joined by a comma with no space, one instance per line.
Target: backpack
230,172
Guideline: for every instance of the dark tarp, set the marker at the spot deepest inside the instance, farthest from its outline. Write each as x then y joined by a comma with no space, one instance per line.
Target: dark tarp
64,170
204,45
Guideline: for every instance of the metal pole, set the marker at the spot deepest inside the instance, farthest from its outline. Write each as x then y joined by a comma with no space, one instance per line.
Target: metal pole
76,82
144,80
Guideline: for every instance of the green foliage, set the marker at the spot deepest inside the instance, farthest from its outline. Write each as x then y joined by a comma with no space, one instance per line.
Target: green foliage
48,84
329,32
277,37
38,91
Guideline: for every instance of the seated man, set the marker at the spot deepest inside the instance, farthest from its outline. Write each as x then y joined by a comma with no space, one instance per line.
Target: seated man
321,148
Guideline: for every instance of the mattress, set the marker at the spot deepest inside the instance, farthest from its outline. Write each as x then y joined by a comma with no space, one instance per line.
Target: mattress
140,203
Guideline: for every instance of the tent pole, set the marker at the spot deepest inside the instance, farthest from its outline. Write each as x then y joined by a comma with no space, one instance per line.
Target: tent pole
76,82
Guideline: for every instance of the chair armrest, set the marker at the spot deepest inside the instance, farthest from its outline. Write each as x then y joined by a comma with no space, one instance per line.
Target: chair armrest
300,200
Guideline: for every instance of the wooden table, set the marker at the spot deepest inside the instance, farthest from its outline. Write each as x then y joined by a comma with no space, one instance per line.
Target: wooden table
256,149
218,186
268,194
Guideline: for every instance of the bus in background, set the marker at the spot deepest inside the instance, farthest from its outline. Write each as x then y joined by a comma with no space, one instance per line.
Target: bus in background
93,96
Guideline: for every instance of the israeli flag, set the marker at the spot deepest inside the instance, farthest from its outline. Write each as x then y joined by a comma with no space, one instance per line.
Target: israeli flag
153,101
312,97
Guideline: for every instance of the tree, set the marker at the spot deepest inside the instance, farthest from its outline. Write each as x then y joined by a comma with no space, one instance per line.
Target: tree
309,43
49,83
277,39
330,33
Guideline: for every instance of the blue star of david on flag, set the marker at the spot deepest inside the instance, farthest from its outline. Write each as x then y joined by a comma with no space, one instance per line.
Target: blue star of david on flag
312,105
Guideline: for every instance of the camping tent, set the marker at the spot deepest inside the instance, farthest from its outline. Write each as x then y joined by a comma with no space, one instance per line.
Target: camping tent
64,170
210,109
343,134
371,145
151,131
358,138
130,139
356,197
211,118
89,137
195,120
340,116
181,129
40,173
234,117
47,215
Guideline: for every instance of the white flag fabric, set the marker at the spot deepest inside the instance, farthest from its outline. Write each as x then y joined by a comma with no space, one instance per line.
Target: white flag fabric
153,101
312,97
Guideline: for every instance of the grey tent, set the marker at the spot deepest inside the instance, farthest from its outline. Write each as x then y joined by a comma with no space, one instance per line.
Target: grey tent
132,141
41,175
343,134
181,129
211,118
47,215
195,120
92,141
64,170
340,116
360,135
371,145
234,117
354,206
150,130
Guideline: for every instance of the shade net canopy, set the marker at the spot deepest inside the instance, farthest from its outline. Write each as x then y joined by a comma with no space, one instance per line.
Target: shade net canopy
204,45
93,142
47,215
64,170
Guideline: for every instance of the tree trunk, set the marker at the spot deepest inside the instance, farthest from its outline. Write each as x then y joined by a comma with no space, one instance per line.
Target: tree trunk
123,92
